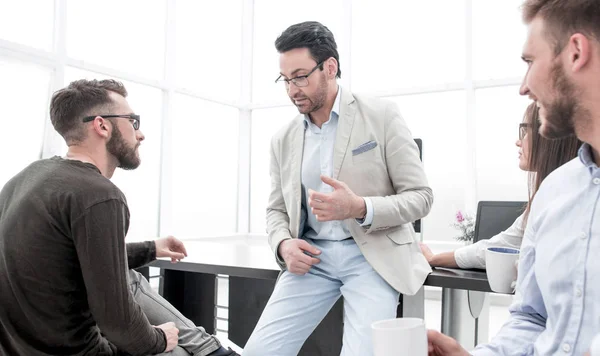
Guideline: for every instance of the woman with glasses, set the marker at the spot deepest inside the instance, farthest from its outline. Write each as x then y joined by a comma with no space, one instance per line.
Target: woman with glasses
537,155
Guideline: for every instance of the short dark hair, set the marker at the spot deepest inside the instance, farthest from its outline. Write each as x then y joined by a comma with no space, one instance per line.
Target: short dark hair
563,18
312,35
81,98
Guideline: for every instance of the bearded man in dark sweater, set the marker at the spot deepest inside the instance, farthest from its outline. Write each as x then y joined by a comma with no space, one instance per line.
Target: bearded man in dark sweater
66,287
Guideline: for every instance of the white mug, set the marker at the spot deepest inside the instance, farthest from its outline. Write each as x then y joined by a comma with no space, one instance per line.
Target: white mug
501,270
402,336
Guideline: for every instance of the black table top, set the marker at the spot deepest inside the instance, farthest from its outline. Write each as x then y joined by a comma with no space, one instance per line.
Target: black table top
468,279
243,256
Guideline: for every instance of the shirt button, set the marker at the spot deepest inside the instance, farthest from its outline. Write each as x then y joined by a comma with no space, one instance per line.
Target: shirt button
577,292
596,181
582,235
566,347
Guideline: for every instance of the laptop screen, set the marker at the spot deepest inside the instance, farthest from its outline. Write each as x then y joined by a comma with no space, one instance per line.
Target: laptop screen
494,217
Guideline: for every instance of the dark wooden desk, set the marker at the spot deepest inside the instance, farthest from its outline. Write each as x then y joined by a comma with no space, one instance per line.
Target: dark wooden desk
190,286
467,279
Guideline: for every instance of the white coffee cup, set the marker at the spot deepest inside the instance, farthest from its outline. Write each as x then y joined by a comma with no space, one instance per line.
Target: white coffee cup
500,265
402,336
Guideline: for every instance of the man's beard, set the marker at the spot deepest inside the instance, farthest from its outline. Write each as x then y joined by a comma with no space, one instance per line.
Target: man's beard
565,111
127,156
318,100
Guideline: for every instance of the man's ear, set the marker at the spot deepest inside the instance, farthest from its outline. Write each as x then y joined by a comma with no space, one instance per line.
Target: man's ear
579,51
331,67
101,126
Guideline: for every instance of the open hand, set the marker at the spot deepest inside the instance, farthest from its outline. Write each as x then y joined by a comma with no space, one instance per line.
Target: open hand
293,253
442,345
340,204
426,252
170,247
171,334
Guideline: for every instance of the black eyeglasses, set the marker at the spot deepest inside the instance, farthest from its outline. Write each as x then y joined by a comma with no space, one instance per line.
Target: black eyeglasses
523,128
299,81
134,117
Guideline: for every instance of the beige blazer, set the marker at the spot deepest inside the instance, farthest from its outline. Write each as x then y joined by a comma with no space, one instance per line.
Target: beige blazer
390,174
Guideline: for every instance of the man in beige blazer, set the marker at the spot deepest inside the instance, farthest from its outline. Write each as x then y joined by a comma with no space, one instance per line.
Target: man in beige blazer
346,185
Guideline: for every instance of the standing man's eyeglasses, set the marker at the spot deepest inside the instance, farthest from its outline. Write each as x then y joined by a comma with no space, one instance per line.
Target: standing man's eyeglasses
523,128
299,81
135,119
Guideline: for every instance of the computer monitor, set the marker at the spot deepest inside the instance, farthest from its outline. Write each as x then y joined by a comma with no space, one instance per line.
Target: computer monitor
493,217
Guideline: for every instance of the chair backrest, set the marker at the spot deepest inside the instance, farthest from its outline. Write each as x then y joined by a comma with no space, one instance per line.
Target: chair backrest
493,217
419,142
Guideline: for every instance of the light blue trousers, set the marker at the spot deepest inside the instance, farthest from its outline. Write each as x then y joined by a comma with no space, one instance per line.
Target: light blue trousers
299,303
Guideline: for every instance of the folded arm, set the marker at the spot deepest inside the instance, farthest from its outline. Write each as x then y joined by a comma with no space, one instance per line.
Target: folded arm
473,256
99,236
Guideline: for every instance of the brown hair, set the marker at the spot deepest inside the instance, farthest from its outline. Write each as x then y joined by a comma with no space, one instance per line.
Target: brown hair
81,98
563,18
545,155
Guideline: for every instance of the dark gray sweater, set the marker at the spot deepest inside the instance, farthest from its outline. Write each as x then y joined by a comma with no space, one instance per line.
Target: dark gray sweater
63,265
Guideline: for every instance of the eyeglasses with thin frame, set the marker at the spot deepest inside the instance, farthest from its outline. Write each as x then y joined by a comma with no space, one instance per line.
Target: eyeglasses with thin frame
135,119
523,128
299,81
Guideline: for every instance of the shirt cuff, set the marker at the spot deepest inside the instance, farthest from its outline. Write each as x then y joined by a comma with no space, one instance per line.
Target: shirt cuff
369,216
468,257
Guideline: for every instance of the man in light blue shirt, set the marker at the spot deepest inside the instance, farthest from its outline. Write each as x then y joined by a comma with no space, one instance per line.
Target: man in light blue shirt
557,307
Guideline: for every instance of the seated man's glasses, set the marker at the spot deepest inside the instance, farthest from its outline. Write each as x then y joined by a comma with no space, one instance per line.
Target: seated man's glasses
299,81
135,119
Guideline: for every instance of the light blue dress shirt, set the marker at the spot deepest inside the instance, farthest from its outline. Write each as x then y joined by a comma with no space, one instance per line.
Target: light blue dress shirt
557,307
317,160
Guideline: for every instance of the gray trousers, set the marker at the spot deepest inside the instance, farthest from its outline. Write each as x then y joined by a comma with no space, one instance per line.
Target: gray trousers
193,340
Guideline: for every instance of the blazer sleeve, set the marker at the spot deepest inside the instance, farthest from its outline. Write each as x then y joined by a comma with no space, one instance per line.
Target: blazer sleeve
414,197
278,221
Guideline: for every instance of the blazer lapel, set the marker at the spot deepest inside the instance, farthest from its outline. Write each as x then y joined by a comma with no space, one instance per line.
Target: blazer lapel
344,130
297,135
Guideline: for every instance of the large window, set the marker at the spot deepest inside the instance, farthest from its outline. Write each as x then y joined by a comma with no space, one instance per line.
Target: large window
265,123
499,112
23,116
206,111
208,42
439,120
204,157
19,24
128,36
498,37
403,44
